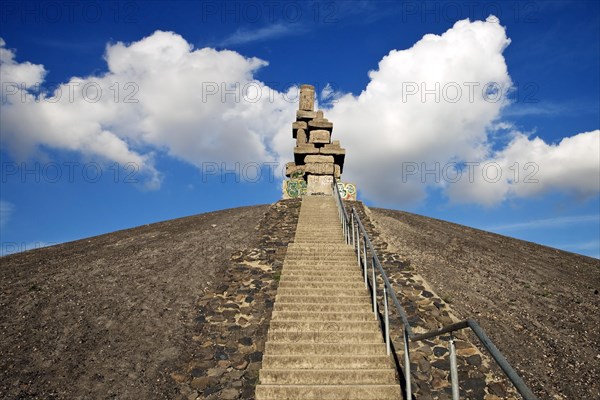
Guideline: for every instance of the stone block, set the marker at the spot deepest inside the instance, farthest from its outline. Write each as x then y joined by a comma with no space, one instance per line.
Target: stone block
328,150
307,148
319,184
337,171
318,159
307,98
300,137
302,115
293,170
320,124
302,150
319,168
298,125
319,136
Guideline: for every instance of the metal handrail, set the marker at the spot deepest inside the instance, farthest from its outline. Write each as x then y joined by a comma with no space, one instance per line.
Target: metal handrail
354,230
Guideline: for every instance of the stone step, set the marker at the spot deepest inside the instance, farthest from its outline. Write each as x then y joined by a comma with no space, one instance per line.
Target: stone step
340,248
301,237
322,285
324,218
323,299
308,232
341,292
321,326
328,392
322,260
320,336
315,267
320,248
326,222
323,264
321,251
319,241
318,237
325,349
328,218
323,316
328,258
318,273
320,307
325,258
325,254
321,270
294,244
350,278
311,210
320,227
323,221
291,273
323,230
328,377
326,362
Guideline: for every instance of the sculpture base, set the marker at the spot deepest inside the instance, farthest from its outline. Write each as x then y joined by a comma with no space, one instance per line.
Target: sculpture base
347,190
319,184
316,185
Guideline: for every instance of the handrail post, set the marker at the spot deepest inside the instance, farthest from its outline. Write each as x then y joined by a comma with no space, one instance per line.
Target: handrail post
352,227
357,247
365,261
357,234
386,321
453,368
374,286
346,230
407,366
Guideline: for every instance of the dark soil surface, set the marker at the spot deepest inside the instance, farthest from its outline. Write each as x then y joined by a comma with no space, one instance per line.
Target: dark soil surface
541,306
180,309
113,316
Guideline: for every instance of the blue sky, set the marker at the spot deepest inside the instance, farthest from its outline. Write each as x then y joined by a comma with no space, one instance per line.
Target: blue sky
163,139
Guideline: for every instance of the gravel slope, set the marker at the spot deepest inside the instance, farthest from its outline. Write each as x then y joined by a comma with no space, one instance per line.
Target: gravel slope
539,305
109,316
116,316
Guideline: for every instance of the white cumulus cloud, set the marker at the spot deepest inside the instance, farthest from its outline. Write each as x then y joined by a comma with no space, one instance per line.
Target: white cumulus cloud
529,167
430,109
159,95
27,73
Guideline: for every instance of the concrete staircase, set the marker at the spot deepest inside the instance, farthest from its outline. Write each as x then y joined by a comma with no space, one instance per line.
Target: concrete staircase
324,340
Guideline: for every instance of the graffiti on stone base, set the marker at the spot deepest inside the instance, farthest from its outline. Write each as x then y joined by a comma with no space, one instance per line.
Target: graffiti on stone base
294,187
347,190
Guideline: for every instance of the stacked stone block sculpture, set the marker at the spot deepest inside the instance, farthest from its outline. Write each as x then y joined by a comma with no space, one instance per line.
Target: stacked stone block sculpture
317,158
